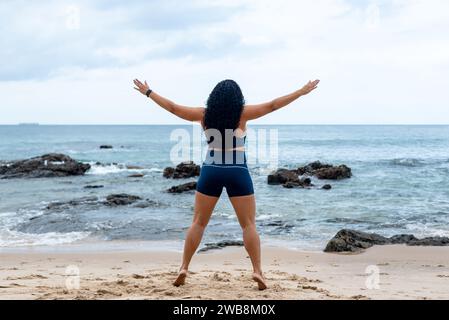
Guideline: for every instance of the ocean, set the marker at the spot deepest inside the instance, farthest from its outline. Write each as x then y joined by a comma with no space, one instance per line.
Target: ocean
400,184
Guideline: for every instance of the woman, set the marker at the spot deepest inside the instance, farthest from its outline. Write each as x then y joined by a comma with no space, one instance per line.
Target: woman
225,165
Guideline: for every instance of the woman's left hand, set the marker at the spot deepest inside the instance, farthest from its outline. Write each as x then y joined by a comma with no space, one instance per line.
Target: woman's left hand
141,87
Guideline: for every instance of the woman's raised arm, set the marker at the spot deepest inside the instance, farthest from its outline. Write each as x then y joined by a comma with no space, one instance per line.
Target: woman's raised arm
251,112
183,112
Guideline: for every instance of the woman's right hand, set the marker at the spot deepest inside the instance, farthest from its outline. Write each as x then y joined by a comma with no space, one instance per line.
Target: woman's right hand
309,87
141,87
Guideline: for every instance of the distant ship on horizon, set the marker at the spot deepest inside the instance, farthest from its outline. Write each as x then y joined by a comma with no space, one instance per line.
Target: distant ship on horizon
28,124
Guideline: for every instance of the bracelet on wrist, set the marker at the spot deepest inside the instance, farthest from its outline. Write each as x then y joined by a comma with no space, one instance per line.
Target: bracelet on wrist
148,92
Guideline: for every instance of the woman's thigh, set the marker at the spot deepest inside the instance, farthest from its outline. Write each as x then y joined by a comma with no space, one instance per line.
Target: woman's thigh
245,209
204,206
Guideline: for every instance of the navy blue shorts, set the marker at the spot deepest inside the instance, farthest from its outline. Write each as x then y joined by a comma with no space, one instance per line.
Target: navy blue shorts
233,176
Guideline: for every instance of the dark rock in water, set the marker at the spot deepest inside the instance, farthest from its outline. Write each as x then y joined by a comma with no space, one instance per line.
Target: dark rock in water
326,187
334,173
312,167
46,166
356,241
283,176
183,188
325,171
182,171
122,199
291,178
130,167
60,206
90,203
106,146
221,245
146,204
291,185
136,175
93,187
306,182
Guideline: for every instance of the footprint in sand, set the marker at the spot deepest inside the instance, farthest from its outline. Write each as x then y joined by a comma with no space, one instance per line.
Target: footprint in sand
28,277
218,277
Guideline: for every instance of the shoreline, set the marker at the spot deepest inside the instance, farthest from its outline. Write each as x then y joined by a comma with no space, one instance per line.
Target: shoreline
402,273
96,245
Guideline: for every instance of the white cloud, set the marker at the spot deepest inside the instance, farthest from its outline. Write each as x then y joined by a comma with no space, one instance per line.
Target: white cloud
384,61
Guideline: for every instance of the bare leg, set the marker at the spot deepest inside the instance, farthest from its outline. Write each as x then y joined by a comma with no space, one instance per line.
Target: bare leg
245,208
204,206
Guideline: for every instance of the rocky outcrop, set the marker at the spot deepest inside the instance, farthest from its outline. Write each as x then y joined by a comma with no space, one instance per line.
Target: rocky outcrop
183,170
300,178
289,179
283,176
136,175
334,173
46,166
311,168
221,245
183,188
121,199
325,171
356,241
113,200
99,186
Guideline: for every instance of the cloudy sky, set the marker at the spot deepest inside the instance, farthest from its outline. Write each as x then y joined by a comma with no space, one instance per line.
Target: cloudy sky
72,62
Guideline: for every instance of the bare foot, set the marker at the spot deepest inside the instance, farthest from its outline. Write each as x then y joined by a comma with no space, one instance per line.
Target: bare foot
260,281
181,279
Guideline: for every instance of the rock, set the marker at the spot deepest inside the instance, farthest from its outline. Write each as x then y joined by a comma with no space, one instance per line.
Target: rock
430,242
93,187
182,188
136,175
122,199
146,204
334,173
402,238
291,178
326,187
325,171
306,182
106,146
46,166
356,241
183,170
129,167
283,176
60,205
291,185
113,200
312,167
221,245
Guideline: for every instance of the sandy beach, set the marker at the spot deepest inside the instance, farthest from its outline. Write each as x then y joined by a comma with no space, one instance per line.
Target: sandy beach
389,272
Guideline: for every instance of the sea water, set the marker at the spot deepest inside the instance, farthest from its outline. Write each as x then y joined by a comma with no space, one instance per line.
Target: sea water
400,184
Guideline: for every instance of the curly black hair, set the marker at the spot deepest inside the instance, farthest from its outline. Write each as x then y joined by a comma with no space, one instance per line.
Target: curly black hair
224,107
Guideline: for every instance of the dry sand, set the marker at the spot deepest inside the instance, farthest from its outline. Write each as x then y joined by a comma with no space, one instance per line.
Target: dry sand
404,273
